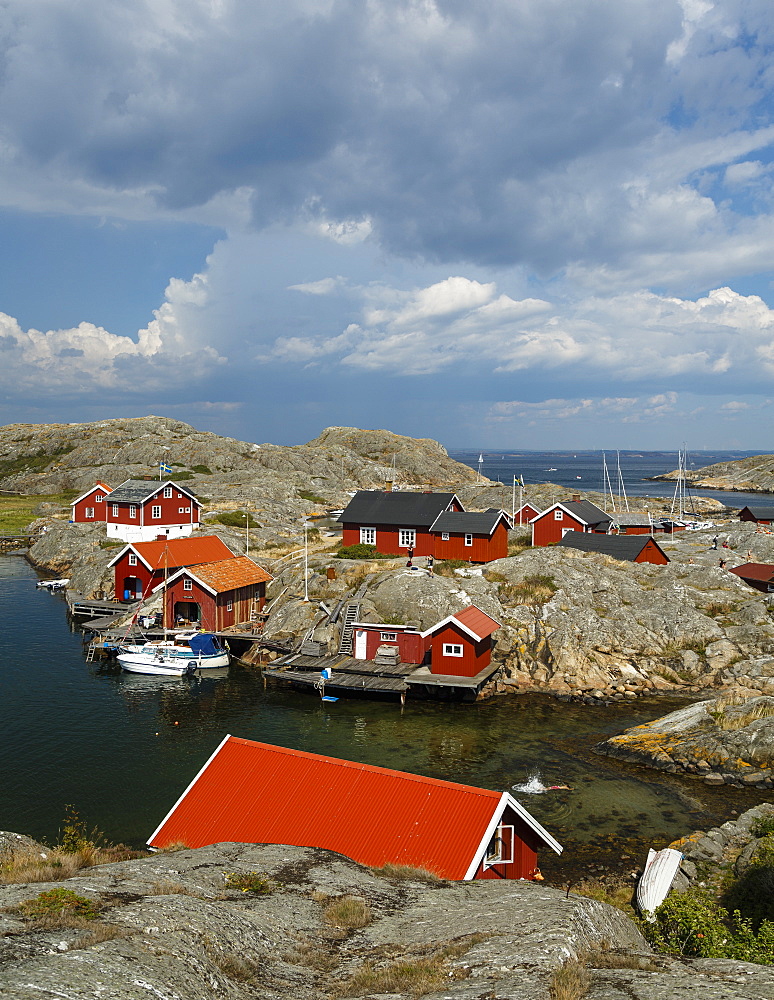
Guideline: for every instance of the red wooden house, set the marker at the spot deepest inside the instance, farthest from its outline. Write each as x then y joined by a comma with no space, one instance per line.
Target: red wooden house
255,793
217,594
759,515
139,566
476,537
552,524
634,522
629,548
395,522
90,506
525,513
760,576
141,510
369,636
461,645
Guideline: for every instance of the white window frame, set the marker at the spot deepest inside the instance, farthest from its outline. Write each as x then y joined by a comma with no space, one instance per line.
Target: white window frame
468,539
453,649
98,498
181,510
230,606
179,496
89,512
132,510
132,559
558,515
494,850
187,584
444,536
368,536
407,538
167,492
388,636
156,510
115,510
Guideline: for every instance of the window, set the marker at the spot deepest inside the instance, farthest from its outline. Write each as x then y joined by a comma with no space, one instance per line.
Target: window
179,496
368,536
445,536
167,492
181,510
98,498
558,515
468,539
89,512
500,849
186,510
257,595
115,510
388,636
407,538
132,559
229,606
452,649
187,584
132,510
156,510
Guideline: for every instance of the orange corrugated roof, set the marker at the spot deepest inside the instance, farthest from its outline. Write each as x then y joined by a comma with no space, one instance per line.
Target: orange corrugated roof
183,551
256,793
229,574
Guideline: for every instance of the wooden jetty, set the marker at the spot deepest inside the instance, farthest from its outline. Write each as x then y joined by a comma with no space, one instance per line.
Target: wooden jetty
82,608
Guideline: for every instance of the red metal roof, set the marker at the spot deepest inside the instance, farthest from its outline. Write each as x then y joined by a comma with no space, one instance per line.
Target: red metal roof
180,551
754,571
256,793
473,620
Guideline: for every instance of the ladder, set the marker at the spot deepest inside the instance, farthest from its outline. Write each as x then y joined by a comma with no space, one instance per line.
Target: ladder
91,652
351,613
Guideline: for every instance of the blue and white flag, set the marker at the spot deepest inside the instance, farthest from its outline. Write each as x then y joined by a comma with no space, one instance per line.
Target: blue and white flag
165,469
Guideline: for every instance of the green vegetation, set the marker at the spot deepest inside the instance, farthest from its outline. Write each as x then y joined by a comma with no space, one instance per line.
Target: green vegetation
36,462
312,497
752,893
16,512
518,544
408,872
393,620
257,883
570,981
348,912
237,519
111,543
58,903
203,470
360,551
447,566
536,589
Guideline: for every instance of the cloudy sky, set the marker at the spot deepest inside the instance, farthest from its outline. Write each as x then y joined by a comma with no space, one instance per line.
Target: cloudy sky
508,224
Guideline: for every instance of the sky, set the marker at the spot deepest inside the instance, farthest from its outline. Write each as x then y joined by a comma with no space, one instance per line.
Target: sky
506,224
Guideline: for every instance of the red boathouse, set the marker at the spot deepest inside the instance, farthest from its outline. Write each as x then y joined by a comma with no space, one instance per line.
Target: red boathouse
627,548
461,645
255,793
141,565
216,595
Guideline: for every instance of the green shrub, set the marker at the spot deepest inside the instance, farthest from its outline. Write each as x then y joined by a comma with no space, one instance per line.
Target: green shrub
258,883
203,470
74,836
236,519
763,827
58,902
360,551
311,497
753,892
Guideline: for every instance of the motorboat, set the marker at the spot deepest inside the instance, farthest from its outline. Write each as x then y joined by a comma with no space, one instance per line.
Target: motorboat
184,653
656,880
53,584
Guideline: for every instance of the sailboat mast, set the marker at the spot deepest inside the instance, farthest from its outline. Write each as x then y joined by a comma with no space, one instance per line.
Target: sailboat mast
621,485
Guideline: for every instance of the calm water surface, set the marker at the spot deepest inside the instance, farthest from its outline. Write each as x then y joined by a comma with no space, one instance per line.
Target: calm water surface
122,747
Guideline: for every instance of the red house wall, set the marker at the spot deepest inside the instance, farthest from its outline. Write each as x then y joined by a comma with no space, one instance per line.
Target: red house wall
525,847
79,509
124,570
652,554
547,530
484,549
214,609
387,539
525,515
747,515
475,655
635,529
411,645
170,511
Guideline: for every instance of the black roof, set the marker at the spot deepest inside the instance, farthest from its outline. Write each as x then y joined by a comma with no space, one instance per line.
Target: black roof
626,547
586,511
412,510
137,490
473,523
765,513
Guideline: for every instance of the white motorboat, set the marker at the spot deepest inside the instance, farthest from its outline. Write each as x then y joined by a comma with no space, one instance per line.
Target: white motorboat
53,584
184,653
656,880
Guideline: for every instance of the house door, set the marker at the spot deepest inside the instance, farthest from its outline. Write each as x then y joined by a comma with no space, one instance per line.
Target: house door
360,643
132,588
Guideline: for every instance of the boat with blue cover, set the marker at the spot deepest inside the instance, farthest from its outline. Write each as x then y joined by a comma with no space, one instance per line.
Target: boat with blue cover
181,654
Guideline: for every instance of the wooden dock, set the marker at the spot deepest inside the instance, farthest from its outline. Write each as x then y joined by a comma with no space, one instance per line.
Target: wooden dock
82,608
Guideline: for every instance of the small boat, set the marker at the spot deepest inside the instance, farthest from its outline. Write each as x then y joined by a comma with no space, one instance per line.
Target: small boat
656,880
53,584
184,654
550,470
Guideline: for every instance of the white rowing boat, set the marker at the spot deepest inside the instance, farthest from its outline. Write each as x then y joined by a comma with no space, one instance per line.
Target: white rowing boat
656,880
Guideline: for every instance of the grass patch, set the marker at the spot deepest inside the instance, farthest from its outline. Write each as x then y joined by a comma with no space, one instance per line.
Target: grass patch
311,955
729,720
257,883
236,519
718,608
57,908
311,497
360,551
348,912
16,512
233,966
35,462
518,544
101,932
203,470
615,893
110,543
536,589
448,566
409,873
570,982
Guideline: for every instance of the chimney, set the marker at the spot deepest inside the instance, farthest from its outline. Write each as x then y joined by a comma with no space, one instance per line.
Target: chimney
388,486
576,497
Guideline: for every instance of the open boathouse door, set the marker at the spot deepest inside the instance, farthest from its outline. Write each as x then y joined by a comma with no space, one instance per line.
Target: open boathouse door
132,589
189,612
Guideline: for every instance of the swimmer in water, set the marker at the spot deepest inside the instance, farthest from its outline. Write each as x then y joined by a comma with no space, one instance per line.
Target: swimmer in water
558,788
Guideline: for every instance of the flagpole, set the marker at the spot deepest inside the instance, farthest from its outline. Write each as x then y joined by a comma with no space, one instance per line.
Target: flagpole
513,502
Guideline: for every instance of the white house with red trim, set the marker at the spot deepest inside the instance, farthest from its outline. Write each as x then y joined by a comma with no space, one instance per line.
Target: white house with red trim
141,510
90,506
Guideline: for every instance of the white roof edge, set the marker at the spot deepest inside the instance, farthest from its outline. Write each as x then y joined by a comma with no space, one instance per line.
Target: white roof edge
530,820
462,625
506,799
386,627
180,572
207,763
96,486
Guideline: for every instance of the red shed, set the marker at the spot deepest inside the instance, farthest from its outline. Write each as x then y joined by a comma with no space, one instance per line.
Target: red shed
759,515
525,513
90,506
216,595
140,564
255,793
140,510
552,524
478,537
760,576
628,548
461,645
369,636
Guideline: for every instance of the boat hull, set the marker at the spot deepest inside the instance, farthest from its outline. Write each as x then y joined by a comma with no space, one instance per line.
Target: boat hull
170,665
656,881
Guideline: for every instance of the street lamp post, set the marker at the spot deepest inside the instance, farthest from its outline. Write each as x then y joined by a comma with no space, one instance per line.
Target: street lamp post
306,563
